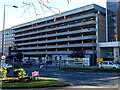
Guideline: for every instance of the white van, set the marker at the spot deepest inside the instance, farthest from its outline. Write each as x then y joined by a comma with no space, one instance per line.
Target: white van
108,64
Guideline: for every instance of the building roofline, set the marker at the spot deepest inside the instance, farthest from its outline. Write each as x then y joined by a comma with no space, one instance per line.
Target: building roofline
73,11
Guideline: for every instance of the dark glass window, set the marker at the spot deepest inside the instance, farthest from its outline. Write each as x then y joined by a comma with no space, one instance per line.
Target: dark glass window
111,20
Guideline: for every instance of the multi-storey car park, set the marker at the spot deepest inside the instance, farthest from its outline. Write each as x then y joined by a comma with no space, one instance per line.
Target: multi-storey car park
58,34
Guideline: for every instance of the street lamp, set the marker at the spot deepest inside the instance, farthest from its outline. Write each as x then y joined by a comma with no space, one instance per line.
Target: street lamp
4,27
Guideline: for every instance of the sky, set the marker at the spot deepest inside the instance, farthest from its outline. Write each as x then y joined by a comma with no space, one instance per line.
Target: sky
16,16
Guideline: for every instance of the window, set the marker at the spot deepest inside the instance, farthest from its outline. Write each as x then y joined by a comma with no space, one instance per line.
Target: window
110,63
105,63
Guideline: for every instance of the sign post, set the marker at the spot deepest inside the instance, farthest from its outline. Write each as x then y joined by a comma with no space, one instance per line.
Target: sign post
35,73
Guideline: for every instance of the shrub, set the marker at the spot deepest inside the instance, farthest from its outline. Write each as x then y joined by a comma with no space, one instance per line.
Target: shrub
116,70
20,73
3,72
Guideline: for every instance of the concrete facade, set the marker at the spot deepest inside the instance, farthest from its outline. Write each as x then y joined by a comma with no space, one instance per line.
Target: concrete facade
57,35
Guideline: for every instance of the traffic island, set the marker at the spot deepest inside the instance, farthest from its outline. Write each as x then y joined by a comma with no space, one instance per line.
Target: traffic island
14,83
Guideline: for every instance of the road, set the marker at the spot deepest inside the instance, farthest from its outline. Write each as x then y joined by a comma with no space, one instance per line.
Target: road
111,80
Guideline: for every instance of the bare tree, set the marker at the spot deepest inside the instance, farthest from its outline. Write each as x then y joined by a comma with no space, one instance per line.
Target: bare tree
77,52
43,4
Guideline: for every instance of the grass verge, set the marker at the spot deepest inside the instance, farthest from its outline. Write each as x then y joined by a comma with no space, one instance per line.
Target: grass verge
33,84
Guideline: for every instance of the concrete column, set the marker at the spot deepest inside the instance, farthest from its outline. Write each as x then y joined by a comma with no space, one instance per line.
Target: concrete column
28,58
116,54
40,59
97,23
49,57
98,52
106,25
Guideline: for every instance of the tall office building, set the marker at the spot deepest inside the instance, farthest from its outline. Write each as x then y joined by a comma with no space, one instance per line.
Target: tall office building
0,41
118,20
111,48
113,20
57,35
8,40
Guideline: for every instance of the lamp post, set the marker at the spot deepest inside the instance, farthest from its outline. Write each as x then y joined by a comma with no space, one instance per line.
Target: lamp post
3,31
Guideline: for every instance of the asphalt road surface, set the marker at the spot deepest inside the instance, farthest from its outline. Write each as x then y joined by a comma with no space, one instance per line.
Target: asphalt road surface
79,79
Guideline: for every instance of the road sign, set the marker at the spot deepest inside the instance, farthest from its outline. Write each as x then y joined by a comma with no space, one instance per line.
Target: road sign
3,57
35,73
99,59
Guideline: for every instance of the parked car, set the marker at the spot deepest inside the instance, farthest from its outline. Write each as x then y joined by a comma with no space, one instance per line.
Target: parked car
108,64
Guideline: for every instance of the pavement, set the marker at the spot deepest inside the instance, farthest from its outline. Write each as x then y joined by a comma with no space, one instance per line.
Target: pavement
69,88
